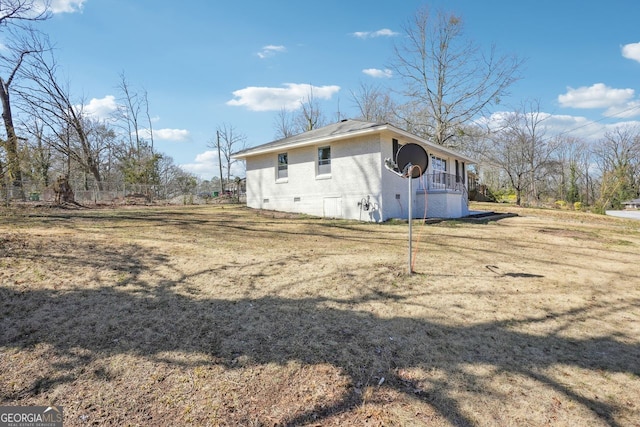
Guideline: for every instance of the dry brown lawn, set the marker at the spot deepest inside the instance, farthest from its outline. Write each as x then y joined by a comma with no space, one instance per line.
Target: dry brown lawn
220,315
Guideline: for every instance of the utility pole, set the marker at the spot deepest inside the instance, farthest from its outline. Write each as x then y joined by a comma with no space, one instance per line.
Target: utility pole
220,163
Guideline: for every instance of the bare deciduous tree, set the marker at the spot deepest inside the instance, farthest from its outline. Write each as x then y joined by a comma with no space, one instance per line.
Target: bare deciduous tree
39,153
448,80
618,158
15,18
49,100
132,105
307,117
139,162
374,104
228,142
311,116
10,145
284,124
519,148
572,172
23,12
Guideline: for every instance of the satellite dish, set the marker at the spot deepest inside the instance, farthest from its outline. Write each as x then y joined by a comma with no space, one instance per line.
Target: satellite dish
412,154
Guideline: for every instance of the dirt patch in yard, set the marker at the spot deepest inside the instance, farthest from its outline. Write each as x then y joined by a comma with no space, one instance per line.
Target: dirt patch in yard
220,315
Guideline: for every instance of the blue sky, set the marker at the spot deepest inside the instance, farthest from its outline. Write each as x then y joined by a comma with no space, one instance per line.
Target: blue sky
204,63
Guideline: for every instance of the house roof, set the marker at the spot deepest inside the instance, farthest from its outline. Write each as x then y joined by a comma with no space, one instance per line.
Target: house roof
632,202
342,130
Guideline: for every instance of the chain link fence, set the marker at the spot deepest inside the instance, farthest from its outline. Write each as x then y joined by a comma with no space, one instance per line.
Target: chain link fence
119,193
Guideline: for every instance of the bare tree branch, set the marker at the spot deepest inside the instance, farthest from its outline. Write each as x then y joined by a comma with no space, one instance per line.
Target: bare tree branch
374,104
21,45
448,80
519,148
49,100
284,124
14,12
230,141
311,116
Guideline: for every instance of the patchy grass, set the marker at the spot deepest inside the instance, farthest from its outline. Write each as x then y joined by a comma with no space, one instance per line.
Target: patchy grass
219,315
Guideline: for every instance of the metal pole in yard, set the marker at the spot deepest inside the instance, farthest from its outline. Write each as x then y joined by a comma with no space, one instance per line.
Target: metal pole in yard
410,179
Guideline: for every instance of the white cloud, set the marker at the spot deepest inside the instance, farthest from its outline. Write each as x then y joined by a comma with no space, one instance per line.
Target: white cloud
581,127
552,124
385,32
631,51
56,6
625,111
66,6
100,108
275,98
596,96
178,135
206,166
270,50
560,124
378,74
577,126
500,119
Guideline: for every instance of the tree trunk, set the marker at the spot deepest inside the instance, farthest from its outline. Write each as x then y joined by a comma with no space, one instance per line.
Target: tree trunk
91,162
11,144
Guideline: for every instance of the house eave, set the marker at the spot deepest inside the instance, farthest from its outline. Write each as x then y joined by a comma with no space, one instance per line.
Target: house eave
431,146
375,129
242,155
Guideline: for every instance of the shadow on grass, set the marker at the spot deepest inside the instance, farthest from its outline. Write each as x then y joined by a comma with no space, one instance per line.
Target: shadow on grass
367,348
153,321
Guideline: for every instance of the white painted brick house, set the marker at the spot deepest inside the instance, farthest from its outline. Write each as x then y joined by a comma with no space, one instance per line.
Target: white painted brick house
338,171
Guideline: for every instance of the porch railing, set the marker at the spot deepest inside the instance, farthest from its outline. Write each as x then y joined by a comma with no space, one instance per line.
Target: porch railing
441,181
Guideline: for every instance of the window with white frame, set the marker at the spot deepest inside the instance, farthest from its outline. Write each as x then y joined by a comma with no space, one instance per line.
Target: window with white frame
324,160
439,169
283,166
438,164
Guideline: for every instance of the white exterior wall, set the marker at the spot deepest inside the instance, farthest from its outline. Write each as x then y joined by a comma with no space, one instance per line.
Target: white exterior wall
395,194
440,203
355,166
357,171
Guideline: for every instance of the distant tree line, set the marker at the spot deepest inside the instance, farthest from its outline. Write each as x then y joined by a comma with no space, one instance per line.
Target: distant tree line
521,159
48,134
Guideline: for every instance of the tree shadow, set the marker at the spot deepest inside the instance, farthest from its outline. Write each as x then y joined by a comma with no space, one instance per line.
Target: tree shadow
134,317
309,331
495,268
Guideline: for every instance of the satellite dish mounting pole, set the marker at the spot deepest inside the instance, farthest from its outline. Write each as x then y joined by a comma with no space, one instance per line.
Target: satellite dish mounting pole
410,219
408,157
